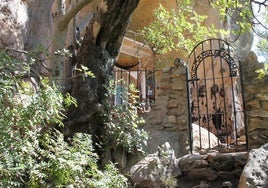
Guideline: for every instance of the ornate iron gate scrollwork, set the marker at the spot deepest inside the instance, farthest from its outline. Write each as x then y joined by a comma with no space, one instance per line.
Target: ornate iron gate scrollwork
215,98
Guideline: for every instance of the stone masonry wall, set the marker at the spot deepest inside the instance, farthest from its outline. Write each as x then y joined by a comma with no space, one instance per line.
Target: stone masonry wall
168,119
168,123
212,169
256,102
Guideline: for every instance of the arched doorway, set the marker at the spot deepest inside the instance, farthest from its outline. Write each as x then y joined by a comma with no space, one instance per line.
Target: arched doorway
216,113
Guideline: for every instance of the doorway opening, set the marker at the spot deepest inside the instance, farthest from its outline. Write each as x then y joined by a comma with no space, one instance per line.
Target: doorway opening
216,110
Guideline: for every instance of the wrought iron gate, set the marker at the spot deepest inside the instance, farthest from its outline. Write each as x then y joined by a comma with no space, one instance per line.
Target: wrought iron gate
215,98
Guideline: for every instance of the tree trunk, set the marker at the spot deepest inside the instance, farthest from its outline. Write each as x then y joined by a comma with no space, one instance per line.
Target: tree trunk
99,57
50,25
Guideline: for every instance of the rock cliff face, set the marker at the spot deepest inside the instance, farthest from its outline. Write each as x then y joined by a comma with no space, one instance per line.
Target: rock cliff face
203,139
14,20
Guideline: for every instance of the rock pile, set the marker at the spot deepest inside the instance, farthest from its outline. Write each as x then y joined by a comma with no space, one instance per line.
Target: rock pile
163,169
156,170
213,169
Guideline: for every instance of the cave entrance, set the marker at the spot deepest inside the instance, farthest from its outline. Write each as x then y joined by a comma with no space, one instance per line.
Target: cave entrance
216,113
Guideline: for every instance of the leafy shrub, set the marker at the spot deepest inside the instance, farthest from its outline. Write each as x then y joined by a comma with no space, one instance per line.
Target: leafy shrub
109,178
123,128
22,113
31,156
71,164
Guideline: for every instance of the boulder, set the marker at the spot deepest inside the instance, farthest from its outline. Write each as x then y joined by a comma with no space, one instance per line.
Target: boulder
208,139
190,162
159,169
255,173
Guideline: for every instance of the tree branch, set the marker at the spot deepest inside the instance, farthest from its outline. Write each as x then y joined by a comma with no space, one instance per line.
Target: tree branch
14,49
67,18
259,22
115,22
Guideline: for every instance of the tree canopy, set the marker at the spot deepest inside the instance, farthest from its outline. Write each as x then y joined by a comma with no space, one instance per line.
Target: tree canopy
180,28
183,27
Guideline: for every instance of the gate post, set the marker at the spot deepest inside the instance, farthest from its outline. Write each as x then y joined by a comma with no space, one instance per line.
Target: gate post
189,110
185,65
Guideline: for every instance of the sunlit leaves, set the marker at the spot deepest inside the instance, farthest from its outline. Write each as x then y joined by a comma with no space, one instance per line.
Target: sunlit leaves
177,29
24,108
241,11
69,101
262,72
34,155
63,53
85,72
262,47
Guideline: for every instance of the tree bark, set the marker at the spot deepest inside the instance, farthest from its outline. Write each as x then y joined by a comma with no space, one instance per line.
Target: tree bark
99,56
115,22
71,14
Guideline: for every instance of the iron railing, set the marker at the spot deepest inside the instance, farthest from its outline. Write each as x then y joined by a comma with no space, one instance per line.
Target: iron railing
142,79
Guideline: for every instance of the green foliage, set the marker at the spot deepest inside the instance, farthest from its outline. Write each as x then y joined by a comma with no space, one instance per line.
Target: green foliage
63,52
169,182
242,10
123,128
31,155
85,72
262,51
262,72
262,40
73,164
177,29
82,71
109,178
22,111
61,163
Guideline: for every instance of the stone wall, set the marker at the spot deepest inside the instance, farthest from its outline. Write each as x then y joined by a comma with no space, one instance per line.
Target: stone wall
168,119
163,169
256,102
212,170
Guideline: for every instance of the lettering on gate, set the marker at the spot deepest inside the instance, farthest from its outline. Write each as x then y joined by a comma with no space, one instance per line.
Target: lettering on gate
214,53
